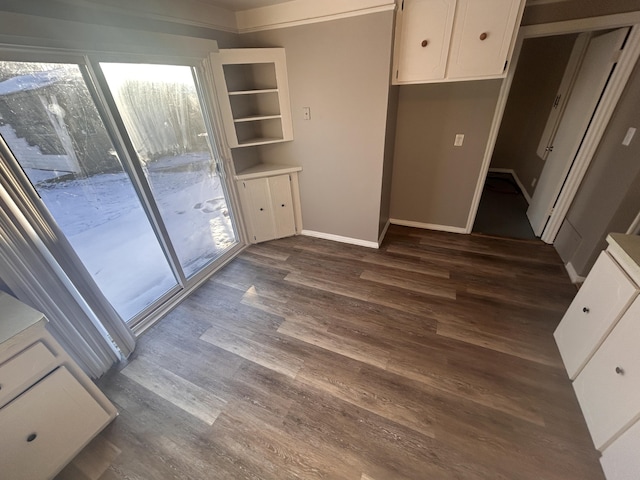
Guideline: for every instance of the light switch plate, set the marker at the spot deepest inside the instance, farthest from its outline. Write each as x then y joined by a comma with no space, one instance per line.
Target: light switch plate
459,140
306,113
629,136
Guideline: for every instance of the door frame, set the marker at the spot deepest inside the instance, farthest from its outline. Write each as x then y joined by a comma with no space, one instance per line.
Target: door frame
598,125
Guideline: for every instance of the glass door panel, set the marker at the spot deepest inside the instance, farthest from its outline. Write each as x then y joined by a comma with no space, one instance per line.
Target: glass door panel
50,123
161,110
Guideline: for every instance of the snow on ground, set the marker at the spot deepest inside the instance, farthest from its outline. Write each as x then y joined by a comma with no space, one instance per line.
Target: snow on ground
103,220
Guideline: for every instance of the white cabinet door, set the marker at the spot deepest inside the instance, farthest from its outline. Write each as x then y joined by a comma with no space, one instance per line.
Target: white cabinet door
258,210
282,204
45,426
620,460
608,388
482,37
268,205
423,32
600,302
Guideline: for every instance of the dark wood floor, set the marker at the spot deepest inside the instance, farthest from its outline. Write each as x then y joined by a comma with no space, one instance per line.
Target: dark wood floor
432,358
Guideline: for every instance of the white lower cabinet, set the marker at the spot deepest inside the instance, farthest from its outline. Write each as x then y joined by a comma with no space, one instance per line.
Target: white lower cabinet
599,304
270,202
608,388
599,339
49,408
42,428
620,460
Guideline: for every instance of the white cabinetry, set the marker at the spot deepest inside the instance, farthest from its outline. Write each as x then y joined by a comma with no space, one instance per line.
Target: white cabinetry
599,304
270,201
446,40
253,94
49,408
607,342
608,388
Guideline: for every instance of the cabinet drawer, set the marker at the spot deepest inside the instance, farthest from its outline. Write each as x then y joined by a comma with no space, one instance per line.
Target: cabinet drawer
620,460
608,388
597,307
23,370
44,427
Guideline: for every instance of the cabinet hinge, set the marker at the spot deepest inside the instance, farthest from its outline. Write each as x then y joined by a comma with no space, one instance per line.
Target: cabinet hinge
551,211
505,65
244,185
402,7
556,102
397,73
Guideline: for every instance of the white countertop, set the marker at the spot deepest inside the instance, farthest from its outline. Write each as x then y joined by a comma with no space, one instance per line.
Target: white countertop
626,250
266,170
15,317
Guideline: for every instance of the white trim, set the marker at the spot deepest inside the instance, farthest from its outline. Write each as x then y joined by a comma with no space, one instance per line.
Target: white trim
303,12
513,173
580,25
428,226
384,232
634,228
573,275
339,238
609,102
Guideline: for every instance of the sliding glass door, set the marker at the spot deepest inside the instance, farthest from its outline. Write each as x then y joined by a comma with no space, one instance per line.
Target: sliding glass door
141,201
162,113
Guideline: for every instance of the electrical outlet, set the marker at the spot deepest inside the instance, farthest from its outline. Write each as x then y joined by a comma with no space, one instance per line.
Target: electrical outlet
306,113
459,140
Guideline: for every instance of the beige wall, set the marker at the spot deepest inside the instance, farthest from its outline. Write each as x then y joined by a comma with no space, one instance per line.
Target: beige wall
340,69
433,181
609,197
540,69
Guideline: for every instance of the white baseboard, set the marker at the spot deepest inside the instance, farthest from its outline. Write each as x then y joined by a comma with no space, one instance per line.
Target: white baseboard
339,238
428,226
384,232
513,173
573,275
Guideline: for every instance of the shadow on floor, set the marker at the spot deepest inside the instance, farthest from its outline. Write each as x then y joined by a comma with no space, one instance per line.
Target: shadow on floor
503,209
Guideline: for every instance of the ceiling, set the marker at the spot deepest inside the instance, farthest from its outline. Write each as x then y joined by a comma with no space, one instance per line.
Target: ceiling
238,5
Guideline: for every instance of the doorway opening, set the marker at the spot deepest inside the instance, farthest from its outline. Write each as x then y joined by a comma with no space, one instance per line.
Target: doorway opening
556,90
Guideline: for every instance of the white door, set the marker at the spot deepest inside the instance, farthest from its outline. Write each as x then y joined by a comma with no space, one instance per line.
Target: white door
259,211
593,74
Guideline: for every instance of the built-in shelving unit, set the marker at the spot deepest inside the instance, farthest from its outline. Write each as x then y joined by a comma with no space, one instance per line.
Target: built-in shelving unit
253,94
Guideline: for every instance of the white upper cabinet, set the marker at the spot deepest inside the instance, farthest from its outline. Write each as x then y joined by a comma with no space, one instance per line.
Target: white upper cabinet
450,40
423,32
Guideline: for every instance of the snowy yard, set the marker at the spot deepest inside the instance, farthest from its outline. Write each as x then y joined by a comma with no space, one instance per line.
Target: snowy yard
102,217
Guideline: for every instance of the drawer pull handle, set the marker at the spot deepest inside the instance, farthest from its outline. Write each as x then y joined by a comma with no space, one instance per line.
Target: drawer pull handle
585,309
32,437
262,209
619,371
483,36
424,43
282,205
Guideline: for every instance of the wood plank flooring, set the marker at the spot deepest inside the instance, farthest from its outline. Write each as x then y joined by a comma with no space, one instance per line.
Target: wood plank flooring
432,358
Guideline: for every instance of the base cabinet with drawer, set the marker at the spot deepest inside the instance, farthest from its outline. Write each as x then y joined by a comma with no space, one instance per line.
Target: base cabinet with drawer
270,201
599,340
49,409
